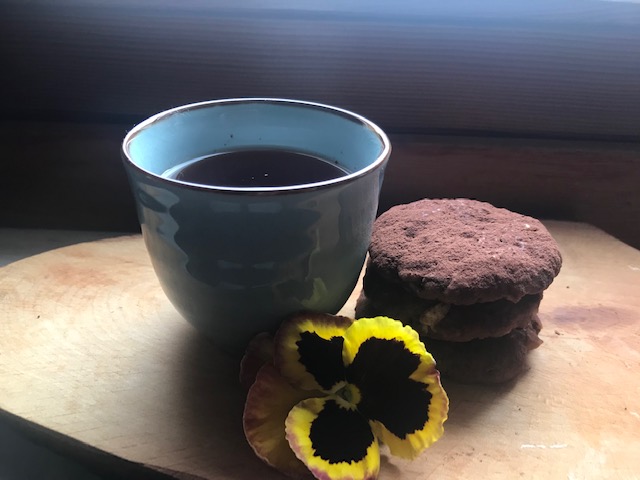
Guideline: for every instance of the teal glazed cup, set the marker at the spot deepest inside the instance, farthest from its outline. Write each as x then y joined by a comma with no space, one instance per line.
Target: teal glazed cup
234,261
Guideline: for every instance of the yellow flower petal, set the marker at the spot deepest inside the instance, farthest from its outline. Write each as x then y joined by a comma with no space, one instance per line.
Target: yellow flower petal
383,328
399,385
268,403
308,350
412,444
333,440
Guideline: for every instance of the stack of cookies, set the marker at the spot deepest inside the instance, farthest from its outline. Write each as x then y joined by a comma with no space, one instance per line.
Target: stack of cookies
468,277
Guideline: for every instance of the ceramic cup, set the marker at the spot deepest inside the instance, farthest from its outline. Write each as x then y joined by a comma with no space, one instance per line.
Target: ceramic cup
234,261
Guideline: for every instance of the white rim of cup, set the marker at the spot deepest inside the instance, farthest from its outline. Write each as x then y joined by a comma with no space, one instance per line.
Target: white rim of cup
379,161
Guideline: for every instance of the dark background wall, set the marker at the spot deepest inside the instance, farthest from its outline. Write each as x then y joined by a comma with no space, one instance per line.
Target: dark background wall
535,108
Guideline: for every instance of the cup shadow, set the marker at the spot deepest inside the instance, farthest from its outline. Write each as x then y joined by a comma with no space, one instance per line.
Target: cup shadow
211,407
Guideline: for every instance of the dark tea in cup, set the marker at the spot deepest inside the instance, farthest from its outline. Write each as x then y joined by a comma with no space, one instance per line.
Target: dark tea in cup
256,168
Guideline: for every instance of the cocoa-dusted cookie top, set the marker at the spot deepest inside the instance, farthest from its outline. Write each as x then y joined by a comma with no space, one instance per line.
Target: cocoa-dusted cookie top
463,251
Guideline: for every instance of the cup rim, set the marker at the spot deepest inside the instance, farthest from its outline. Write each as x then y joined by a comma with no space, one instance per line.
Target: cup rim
378,162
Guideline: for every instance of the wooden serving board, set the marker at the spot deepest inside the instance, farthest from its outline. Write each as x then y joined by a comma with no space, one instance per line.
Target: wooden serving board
90,348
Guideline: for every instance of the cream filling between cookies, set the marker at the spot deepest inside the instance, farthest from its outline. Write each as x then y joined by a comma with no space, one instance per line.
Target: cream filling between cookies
433,315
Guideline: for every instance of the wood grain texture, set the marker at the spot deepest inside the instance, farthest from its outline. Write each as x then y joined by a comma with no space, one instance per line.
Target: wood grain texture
69,175
64,176
593,182
91,348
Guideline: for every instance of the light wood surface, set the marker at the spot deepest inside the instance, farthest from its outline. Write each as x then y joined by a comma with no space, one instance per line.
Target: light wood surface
90,347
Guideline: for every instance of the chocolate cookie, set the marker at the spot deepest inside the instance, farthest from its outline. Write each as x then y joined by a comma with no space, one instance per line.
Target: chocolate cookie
463,251
488,361
445,321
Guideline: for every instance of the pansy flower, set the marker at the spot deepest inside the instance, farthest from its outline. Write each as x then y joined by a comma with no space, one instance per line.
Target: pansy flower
335,389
